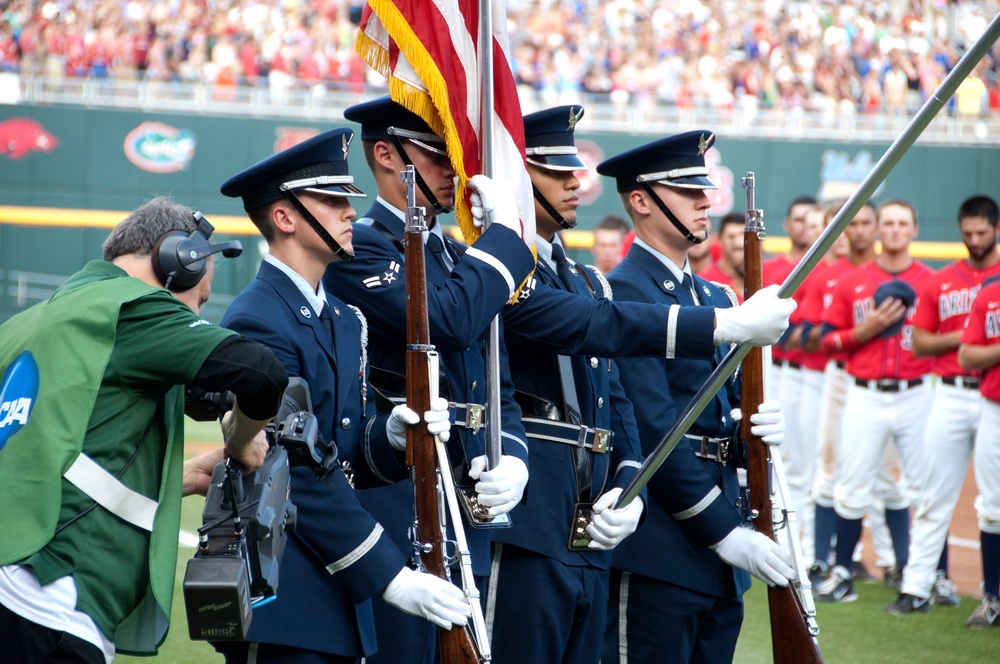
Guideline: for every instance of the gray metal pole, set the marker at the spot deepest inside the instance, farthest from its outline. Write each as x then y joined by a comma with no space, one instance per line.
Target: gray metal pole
889,160
493,444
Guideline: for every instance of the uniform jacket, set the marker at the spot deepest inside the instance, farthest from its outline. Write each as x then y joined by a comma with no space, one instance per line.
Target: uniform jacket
691,500
338,556
460,307
547,322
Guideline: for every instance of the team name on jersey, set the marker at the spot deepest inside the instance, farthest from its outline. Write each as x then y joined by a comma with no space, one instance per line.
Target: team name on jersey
861,308
992,324
956,302
15,410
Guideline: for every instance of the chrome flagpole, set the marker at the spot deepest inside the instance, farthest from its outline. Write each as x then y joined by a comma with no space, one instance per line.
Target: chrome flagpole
486,120
881,170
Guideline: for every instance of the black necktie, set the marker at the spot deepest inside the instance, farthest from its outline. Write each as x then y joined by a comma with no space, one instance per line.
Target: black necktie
562,267
437,248
327,320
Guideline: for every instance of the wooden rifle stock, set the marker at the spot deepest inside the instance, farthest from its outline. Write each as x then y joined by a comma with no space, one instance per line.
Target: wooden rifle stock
457,645
792,642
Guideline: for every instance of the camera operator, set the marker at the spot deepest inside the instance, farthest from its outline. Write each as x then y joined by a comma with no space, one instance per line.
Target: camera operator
91,438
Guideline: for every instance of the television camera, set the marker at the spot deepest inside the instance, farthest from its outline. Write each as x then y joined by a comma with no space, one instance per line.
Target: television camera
247,516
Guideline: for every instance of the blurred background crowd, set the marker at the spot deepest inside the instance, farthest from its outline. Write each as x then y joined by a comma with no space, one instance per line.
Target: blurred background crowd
855,56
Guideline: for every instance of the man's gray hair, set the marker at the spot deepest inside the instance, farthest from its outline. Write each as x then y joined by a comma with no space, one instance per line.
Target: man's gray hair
139,232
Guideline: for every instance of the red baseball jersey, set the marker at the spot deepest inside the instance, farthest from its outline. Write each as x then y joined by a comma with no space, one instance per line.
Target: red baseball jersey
945,305
775,271
713,273
810,297
854,297
983,329
817,301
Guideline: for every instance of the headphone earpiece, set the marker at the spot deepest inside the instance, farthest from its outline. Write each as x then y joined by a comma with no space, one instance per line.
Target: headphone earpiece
179,258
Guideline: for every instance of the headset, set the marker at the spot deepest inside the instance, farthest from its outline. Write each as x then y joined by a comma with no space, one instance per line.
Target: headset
179,257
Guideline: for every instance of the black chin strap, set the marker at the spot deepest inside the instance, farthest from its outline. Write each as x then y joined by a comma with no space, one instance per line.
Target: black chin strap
438,206
691,237
342,253
558,218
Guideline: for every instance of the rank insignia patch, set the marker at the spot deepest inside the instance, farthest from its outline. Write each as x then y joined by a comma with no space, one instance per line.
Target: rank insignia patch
386,278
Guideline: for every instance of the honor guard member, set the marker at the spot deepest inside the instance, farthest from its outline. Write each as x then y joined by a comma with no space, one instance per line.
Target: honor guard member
956,407
559,336
677,583
980,351
870,318
338,556
91,438
466,288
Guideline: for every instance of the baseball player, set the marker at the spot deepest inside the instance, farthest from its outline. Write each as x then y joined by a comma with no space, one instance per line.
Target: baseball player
729,269
956,407
887,396
775,270
808,317
860,234
980,351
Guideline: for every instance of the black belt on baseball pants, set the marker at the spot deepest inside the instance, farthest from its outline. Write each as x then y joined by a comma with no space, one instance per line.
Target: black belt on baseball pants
966,382
888,384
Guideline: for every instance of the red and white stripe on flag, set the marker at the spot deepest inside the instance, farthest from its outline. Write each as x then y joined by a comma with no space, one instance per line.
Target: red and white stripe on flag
428,49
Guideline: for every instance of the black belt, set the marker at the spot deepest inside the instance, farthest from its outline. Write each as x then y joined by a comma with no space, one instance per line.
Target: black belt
787,363
713,449
888,385
577,435
841,365
962,381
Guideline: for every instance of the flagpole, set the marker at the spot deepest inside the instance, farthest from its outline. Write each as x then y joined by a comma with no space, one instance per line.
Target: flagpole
486,119
888,161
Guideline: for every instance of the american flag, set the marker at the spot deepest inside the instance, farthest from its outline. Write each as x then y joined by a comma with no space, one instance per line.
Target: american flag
429,51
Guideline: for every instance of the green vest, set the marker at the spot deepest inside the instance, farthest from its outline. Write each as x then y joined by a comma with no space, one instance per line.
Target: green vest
40,440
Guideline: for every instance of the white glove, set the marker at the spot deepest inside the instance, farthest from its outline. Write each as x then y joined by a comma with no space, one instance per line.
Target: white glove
499,488
757,554
769,420
429,597
610,526
494,200
761,320
402,416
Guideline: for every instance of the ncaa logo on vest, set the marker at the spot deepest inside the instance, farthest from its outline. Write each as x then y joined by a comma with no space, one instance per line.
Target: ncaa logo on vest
17,395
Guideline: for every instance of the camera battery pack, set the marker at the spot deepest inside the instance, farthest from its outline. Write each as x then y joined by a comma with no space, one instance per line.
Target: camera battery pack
217,599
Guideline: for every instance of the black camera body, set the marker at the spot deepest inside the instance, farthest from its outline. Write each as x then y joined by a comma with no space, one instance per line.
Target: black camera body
246,520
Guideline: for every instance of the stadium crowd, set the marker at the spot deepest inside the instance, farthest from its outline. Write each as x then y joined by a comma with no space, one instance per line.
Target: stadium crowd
844,57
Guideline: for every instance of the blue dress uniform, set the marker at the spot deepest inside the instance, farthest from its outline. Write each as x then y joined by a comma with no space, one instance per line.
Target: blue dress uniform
546,601
673,597
461,303
338,556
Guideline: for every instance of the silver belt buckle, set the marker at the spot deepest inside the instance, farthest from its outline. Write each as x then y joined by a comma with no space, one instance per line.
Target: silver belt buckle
474,416
602,440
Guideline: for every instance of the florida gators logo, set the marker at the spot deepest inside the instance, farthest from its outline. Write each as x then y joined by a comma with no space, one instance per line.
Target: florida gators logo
18,392
19,136
160,148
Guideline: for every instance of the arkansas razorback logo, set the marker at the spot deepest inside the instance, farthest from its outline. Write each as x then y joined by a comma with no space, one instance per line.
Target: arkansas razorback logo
19,136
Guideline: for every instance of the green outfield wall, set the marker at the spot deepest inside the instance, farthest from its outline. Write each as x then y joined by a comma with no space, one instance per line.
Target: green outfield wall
67,174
